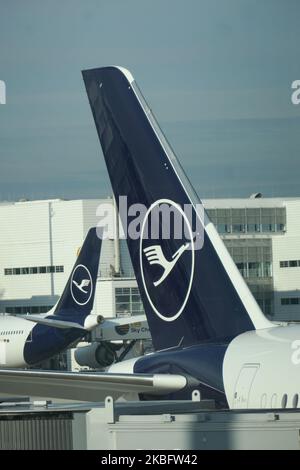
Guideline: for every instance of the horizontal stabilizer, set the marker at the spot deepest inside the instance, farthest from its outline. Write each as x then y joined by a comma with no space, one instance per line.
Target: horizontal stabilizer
49,322
86,386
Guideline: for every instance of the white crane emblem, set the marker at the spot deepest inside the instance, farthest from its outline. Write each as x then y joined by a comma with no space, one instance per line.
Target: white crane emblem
155,255
84,283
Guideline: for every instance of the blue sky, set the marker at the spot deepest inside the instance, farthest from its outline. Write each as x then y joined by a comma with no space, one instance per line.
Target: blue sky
217,74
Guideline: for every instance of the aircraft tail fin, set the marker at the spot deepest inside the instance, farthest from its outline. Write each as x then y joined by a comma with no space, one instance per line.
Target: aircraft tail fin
78,296
191,289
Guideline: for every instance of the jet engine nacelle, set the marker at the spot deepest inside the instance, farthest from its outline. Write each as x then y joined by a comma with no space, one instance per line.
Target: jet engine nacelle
95,355
92,321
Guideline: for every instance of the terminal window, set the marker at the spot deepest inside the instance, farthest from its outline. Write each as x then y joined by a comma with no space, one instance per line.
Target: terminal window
290,264
128,301
33,270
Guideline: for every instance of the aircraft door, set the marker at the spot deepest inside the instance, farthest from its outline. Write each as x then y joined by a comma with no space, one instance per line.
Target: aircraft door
243,385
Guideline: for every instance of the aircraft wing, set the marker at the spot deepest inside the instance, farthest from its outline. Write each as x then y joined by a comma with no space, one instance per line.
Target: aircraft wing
107,323
86,386
49,322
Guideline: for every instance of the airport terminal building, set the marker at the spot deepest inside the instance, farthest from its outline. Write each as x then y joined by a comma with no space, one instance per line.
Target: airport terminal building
39,242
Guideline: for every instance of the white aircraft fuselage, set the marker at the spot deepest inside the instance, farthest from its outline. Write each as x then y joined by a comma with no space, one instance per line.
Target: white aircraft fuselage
14,333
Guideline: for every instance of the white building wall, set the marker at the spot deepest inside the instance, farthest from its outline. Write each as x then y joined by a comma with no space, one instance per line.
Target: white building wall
23,243
104,303
126,265
40,233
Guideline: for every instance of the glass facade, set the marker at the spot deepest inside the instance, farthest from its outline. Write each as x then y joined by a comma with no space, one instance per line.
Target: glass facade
247,220
253,258
128,301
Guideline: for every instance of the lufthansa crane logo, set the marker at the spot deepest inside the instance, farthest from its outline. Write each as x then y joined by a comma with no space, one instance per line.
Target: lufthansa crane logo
167,265
155,255
84,283
81,285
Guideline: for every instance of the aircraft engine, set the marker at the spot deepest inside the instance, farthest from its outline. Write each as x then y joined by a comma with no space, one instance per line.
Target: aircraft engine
96,355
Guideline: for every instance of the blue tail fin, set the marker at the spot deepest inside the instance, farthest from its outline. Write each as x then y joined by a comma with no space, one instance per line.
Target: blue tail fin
78,296
189,295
